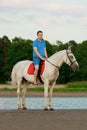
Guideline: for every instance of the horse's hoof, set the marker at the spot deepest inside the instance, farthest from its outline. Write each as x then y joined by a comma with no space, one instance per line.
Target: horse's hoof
51,109
45,109
24,108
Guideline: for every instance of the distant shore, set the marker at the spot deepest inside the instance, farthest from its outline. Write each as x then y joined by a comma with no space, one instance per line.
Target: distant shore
40,94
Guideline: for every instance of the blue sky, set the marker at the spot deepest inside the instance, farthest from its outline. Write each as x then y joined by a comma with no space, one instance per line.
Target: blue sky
62,20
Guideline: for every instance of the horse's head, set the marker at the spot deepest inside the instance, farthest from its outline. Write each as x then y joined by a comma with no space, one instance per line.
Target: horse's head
71,60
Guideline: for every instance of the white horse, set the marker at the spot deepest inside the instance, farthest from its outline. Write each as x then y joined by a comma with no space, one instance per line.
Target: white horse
49,76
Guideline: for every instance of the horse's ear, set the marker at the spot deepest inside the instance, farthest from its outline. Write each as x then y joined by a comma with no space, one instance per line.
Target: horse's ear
70,47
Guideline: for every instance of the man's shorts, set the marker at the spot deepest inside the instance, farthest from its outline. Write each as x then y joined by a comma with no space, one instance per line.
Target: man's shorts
36,60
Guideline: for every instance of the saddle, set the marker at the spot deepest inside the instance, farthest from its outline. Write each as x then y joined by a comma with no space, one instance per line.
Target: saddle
31,68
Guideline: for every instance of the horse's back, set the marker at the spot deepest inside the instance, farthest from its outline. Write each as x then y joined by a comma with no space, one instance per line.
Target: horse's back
21,65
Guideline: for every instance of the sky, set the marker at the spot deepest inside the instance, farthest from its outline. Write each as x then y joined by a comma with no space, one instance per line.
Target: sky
62,20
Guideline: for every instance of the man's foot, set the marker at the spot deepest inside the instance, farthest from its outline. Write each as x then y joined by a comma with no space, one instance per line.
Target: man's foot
36,84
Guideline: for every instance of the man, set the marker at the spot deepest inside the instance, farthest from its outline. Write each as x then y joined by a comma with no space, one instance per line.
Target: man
39,53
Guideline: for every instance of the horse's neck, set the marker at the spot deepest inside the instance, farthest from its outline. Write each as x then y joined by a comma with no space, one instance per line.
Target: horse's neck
57,58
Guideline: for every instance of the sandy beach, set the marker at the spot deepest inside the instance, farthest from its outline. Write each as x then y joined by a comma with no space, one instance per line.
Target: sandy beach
43,120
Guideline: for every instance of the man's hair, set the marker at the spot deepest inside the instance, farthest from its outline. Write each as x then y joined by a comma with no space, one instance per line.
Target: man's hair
39,32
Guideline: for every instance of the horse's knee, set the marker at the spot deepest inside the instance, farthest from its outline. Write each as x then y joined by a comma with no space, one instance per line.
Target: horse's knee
18,91
23,92
50,94
46,92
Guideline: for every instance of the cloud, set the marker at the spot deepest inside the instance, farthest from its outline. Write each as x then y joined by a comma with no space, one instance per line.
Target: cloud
39,7
21,14
21,3
5,21
74,10
12,2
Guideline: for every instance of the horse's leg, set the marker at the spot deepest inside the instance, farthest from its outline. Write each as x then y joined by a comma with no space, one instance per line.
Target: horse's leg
23,95
50,95
46,85
18,92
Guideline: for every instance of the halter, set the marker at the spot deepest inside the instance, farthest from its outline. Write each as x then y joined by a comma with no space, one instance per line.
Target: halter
72,62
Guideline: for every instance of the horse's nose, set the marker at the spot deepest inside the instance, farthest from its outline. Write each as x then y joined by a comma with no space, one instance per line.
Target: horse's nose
78,67
75,66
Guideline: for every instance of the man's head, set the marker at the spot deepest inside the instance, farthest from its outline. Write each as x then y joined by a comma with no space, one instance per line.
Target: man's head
40,35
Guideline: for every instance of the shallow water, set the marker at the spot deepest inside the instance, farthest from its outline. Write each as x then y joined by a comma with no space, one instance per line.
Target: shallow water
7,103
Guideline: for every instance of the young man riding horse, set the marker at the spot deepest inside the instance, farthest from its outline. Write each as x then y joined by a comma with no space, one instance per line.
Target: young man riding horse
39,53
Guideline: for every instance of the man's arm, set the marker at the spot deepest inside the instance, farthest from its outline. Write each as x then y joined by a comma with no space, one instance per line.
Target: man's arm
45,52
37,53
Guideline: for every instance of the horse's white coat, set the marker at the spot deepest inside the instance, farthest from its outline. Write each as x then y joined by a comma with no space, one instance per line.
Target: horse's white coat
49,75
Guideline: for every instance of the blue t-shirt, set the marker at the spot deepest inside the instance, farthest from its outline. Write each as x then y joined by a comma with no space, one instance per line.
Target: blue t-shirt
40,47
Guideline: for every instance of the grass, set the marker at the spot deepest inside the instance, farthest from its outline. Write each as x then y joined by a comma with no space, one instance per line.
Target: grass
69,89
8,89
73,86
77,85
60,89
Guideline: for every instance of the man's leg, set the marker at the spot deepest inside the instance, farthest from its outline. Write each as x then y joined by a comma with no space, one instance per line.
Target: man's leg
36,73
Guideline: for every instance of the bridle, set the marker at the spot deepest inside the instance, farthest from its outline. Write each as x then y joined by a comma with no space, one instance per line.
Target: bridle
72,62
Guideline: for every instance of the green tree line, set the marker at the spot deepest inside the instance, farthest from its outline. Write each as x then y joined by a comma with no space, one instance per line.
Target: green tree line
17,49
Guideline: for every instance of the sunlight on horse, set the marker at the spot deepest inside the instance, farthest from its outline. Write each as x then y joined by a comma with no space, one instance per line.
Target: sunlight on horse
49,76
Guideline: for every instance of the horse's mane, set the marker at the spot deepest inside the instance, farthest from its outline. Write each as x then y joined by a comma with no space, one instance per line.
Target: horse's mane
57,53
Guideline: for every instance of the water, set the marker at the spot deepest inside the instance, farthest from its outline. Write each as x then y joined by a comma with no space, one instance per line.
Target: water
7,103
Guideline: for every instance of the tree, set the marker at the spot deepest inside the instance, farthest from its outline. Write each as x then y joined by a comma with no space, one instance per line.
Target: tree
4,45
21,49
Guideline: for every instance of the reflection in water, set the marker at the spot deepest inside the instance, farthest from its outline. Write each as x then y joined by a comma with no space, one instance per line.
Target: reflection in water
37,103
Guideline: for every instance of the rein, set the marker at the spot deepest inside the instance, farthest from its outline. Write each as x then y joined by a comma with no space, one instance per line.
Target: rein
53,64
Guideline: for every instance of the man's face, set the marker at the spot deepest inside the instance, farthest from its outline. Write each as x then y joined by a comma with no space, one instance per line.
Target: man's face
40,36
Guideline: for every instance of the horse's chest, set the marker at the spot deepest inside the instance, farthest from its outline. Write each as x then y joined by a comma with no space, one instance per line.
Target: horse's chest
51,76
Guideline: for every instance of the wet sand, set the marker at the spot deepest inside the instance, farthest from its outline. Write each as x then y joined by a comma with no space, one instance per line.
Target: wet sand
43,120
41,94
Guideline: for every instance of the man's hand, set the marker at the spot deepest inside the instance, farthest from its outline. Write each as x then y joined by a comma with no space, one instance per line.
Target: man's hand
37,53
44,58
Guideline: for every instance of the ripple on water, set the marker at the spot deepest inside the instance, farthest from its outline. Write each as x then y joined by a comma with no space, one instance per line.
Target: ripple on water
37,103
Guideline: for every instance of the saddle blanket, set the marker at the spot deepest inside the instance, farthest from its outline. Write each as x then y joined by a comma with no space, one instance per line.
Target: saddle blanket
31,68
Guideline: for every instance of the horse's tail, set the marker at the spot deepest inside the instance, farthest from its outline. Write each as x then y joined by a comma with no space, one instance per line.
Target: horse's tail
13,76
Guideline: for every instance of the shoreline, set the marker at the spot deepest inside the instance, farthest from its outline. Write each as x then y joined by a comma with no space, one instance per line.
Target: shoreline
10,92
41,94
